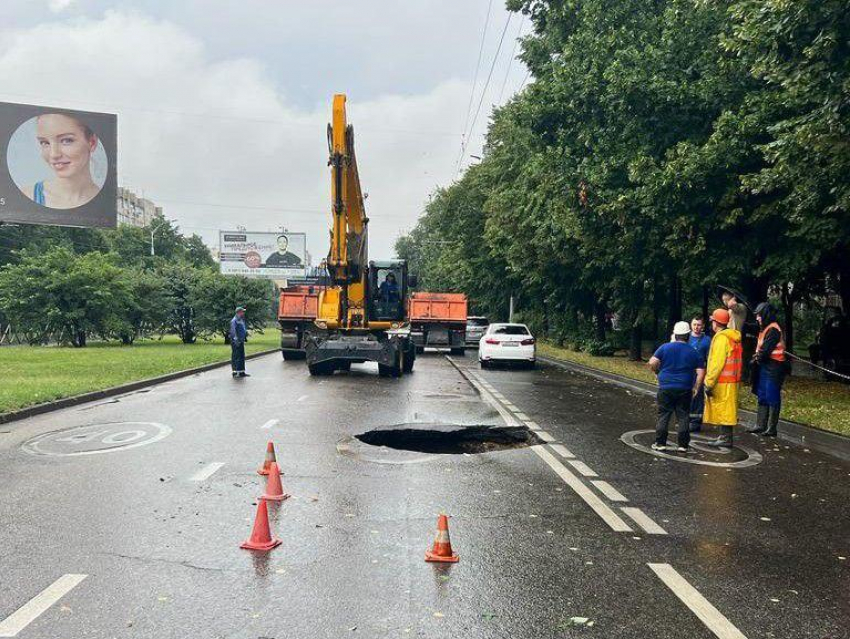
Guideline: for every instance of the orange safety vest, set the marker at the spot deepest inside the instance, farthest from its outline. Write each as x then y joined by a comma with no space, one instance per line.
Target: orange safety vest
778,353
731,373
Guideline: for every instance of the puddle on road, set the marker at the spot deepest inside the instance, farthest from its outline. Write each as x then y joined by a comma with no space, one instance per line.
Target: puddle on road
442,439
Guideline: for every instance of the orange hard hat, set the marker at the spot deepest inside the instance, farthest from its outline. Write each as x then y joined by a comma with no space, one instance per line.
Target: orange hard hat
721,316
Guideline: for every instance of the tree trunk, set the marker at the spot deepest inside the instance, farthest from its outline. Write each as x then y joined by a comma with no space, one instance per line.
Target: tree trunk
656,308
599,321
705,303
675,311
636,340
788,306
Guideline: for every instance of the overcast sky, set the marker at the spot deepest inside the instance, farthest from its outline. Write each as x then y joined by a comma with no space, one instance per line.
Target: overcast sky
222,106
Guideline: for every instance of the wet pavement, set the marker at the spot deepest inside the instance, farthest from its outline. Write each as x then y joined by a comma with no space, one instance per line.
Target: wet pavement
586,533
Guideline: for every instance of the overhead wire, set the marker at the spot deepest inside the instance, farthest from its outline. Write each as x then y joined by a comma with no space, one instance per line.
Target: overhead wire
483,92
511,60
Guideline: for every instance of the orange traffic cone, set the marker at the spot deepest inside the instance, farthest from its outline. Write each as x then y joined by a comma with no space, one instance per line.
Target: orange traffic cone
270,459
442,550
274,489
261,537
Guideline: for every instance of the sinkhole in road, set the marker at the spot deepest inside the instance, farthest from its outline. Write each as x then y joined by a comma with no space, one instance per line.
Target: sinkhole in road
440,439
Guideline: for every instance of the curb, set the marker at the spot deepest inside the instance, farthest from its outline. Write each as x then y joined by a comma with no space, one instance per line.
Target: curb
65,402
809,436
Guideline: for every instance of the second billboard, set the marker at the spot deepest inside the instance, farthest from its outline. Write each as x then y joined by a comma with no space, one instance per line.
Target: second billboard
260,254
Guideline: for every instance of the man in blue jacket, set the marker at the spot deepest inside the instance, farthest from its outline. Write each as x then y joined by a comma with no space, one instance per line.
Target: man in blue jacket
701,343
238,335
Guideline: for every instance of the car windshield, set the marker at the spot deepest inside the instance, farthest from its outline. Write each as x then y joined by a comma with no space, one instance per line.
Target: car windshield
511,329
477,321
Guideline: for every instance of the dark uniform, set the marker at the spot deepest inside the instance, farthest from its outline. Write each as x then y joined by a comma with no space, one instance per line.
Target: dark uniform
238,335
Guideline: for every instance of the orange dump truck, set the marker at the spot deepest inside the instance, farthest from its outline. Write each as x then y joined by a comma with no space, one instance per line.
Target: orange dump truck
297,309
438,320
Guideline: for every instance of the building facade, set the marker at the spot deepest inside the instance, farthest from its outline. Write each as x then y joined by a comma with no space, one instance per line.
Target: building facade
135,210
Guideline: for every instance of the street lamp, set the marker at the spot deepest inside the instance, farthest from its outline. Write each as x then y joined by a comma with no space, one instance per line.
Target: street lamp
153,232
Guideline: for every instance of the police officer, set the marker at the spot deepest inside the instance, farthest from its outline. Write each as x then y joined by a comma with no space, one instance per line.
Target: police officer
238,336
769,363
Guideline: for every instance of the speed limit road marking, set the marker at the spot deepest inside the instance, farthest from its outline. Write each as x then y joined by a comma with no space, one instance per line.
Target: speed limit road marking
96,439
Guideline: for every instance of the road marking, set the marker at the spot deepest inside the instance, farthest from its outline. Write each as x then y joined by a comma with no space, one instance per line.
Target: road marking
643,520
608,490
270,424
206,472
546,437
35,607
583,468
699,605
590,498
532,425
302,398
510,405
562,450
523,416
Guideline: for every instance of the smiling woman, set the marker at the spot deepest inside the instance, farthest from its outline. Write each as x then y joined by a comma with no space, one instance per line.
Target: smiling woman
70,150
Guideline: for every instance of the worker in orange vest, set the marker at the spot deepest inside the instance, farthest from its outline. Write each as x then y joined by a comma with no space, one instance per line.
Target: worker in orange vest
722,377
769,362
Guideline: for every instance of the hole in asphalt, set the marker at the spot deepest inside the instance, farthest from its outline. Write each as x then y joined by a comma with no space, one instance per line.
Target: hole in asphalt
450,440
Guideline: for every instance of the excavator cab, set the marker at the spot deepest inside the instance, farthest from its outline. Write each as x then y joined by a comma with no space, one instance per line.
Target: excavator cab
388,291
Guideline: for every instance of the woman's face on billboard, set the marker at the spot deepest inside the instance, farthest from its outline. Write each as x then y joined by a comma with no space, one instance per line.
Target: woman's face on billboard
65,145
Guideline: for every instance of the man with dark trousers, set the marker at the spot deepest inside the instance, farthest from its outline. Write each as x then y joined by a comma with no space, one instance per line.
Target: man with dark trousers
238,336
700,342
680,370
769,370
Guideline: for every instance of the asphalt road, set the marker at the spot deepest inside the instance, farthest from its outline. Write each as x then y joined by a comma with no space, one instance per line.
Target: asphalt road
123,518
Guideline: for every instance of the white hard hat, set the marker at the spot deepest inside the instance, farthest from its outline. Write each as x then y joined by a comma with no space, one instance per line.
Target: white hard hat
681,328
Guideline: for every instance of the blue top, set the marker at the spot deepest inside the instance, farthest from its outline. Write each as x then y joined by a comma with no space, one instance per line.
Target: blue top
389,291
679,364
38,193
238,332
702,344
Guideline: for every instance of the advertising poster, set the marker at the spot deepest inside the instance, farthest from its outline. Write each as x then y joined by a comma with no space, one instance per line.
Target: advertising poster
274,256
57,166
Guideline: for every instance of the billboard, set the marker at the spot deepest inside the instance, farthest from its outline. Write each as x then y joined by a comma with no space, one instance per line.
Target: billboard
57,166
274,256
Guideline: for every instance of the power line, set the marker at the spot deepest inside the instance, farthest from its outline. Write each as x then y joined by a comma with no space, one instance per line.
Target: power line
484,90
475,80
511,60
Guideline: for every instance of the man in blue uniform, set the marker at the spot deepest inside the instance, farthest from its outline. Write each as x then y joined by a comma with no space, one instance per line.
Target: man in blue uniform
238,336
701,343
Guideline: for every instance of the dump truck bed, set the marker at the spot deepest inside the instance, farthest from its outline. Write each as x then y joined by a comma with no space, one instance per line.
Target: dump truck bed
438,308
298,303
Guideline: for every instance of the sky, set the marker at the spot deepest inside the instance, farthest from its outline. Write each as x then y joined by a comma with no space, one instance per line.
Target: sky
223,106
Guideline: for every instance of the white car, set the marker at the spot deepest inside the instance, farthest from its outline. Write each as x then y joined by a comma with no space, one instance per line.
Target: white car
506,343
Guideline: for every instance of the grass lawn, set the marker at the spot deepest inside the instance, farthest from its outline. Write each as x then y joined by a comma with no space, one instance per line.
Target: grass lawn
36,374
814,402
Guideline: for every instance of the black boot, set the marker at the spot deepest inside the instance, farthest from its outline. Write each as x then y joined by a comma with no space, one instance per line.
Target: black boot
761,420
772,422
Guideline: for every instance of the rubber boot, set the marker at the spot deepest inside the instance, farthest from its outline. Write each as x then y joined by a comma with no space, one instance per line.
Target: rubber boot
761,420
772,422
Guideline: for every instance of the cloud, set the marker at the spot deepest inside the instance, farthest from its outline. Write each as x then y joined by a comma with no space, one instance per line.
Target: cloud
57,6
216,141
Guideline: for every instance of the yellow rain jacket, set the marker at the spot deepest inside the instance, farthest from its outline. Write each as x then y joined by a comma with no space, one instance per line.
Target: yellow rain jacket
722,377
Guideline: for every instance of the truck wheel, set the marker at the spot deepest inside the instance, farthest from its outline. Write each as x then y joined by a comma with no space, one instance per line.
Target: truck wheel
320,369
408,361
420,350
291,356
459,351
344,366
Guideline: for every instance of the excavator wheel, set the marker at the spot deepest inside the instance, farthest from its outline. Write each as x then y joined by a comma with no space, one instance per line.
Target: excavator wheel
459,351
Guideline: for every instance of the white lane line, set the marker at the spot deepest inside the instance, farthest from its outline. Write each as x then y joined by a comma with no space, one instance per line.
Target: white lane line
206,472
546,437
643,520
532,425
270,424
35,607
562,450
699,605
511,406
523,416
590,498
608,490
302,398
583,468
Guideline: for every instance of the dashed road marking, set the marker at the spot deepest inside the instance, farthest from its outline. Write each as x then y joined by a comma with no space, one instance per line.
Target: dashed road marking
643,520
562,450
699,605
206,472
270,424
523,416
546,437
608,490
590,498
583,468
532,425
511,406
302,398
35,607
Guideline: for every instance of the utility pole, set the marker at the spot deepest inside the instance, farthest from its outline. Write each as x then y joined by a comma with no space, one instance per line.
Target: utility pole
511,310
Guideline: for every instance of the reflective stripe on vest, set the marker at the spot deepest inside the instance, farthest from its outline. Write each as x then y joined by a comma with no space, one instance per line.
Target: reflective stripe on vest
778,353
731,373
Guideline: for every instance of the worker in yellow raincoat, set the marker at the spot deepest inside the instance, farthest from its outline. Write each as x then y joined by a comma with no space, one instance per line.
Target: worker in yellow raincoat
722,378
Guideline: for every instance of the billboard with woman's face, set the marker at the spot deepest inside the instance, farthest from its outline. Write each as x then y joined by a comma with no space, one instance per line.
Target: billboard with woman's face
57,166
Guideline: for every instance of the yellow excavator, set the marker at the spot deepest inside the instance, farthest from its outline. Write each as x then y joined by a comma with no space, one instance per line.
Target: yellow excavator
362,316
